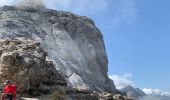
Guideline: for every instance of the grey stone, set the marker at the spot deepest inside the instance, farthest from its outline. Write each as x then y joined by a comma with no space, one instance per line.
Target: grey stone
24,63
73,43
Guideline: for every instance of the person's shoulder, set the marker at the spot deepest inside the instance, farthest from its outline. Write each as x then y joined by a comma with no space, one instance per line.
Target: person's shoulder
6,86
13,85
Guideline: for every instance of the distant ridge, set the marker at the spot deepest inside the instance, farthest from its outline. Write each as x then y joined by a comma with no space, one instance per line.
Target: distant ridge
133,92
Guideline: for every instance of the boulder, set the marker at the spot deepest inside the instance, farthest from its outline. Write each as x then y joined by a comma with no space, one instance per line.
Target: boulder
24,63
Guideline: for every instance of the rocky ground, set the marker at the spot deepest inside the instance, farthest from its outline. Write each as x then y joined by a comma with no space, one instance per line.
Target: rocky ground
82,96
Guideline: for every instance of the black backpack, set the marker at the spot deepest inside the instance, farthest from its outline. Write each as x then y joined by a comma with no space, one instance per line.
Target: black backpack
9,97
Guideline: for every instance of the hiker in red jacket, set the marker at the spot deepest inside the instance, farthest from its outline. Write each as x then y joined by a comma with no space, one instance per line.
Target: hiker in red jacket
9,91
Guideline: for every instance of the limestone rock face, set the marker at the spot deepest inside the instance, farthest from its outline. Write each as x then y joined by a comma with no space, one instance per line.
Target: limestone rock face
24,62
72,42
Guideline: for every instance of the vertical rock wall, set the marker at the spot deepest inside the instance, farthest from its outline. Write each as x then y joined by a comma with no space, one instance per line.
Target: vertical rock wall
72,42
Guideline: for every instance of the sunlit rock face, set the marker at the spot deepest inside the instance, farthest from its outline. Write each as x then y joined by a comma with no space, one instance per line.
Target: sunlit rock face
23,61
72,42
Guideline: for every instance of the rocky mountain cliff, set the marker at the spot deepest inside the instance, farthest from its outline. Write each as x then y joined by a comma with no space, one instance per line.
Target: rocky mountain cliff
72,42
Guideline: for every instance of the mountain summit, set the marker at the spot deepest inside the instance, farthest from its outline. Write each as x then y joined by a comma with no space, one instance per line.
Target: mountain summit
133,92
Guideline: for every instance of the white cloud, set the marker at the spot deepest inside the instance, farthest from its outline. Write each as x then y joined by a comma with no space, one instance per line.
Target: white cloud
127,75
7,2
79,6
117,11
150,91
122,81
151,97
76,6
121,11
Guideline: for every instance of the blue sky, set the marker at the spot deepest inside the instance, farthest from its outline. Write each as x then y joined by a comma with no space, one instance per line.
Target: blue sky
142,48
136,35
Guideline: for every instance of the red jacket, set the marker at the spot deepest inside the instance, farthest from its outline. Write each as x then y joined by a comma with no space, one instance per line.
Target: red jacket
10,89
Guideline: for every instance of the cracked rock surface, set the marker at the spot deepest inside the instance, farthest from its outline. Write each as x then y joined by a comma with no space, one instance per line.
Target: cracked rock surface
72,42
24,63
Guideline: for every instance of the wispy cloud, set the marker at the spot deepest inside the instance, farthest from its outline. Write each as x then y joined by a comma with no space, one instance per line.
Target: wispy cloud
118,11
79,6
122,81
151,97
7,2
121,11
76,6
125,11
150,91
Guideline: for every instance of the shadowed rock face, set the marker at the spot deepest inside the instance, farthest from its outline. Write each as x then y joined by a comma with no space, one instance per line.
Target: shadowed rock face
24,62
72,42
